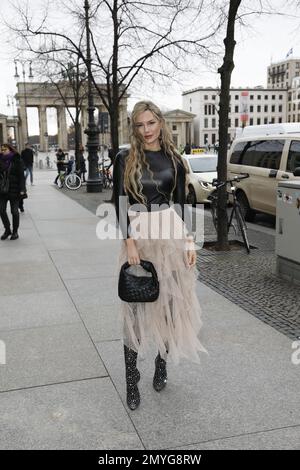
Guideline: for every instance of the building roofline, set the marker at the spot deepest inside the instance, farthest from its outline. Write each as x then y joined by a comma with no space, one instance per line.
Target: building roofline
194,90
284,61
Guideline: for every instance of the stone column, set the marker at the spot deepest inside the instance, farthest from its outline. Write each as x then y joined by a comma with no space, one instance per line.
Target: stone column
62,128
191,132
23,125
43,128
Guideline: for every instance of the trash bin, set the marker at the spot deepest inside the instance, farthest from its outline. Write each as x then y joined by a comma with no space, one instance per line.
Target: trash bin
288,231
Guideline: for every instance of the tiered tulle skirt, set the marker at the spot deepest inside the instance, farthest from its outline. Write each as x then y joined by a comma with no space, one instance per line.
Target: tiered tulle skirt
173,321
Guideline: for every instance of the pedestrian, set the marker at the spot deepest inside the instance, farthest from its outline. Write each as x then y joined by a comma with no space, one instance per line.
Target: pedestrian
152,173
27,157
82,165
187,149
71,165
12,188
60,163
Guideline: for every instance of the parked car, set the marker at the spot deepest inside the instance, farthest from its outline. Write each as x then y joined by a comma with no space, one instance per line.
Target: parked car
201,170
268,159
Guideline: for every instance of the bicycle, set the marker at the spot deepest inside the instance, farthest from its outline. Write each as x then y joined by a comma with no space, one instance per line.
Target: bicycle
236,211
72,181
107,179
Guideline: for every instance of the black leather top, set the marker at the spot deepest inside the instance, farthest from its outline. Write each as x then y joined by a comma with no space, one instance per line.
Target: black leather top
157,190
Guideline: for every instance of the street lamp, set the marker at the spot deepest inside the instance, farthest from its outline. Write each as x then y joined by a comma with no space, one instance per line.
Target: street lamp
30,76
11,103
94,183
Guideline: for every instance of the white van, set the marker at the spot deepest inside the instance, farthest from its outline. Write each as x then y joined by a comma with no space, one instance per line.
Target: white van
268,159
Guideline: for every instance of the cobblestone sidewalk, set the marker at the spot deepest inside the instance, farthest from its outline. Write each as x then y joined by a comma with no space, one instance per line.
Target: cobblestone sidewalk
250,281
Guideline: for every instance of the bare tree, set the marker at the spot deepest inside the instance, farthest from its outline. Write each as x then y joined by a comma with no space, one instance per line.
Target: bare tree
225,72
130,39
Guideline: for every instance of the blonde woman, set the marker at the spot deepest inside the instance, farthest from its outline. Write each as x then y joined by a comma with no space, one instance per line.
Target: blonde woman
152,174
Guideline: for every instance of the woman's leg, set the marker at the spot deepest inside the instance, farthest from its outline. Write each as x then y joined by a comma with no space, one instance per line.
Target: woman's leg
4,218
14,208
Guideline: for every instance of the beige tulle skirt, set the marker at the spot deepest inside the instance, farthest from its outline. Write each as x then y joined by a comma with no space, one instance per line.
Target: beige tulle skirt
173,321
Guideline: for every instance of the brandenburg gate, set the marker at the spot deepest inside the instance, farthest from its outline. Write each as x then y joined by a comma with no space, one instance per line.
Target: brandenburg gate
47,95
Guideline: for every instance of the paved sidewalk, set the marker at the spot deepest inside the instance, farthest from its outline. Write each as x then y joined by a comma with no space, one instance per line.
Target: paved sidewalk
63,383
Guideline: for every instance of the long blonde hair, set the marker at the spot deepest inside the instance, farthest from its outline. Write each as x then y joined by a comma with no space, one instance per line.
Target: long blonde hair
136,157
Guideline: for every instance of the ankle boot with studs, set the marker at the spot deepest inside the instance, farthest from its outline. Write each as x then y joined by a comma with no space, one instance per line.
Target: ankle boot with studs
160,374
132,378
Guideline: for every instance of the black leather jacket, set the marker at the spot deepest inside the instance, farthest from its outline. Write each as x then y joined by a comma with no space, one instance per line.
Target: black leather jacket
157,190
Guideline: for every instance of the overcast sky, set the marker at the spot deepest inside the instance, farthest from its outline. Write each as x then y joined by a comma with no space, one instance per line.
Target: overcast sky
269,38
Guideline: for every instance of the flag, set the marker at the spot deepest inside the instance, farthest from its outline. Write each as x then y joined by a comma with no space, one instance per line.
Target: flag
289,53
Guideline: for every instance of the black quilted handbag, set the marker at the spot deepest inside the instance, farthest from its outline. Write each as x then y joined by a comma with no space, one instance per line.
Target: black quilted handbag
133,288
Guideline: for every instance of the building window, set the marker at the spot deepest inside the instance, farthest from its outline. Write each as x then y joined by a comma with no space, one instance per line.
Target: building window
280,120
280,108
236,97
273,120
251,97
236,109
273,108
251,109
258,121
259,109
213,97
236,123
266,108
190,100
206,97
251,122
174,127
273,97
290,106
265,120
229,122
259,97
280,97
213,122
205,123
205,109
213,139
266,97
205,139
294,106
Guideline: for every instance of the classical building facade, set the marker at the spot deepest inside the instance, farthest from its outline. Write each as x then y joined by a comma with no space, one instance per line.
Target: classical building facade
9,128
181,125
44,95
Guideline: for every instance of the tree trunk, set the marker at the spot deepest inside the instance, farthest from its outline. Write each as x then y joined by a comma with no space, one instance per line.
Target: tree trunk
225,71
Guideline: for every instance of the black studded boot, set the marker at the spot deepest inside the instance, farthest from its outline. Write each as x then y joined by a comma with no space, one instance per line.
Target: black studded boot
132,378
160,374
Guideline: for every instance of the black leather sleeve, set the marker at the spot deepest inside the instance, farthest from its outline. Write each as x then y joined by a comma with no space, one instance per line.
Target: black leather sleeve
118,184
179,198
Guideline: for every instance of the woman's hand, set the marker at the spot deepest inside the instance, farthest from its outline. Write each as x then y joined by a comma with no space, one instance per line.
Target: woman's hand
132,252
192,257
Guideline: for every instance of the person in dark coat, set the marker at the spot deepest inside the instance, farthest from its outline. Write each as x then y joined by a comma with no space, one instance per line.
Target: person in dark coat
11,167
82,166
27,157
60,163
187,149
